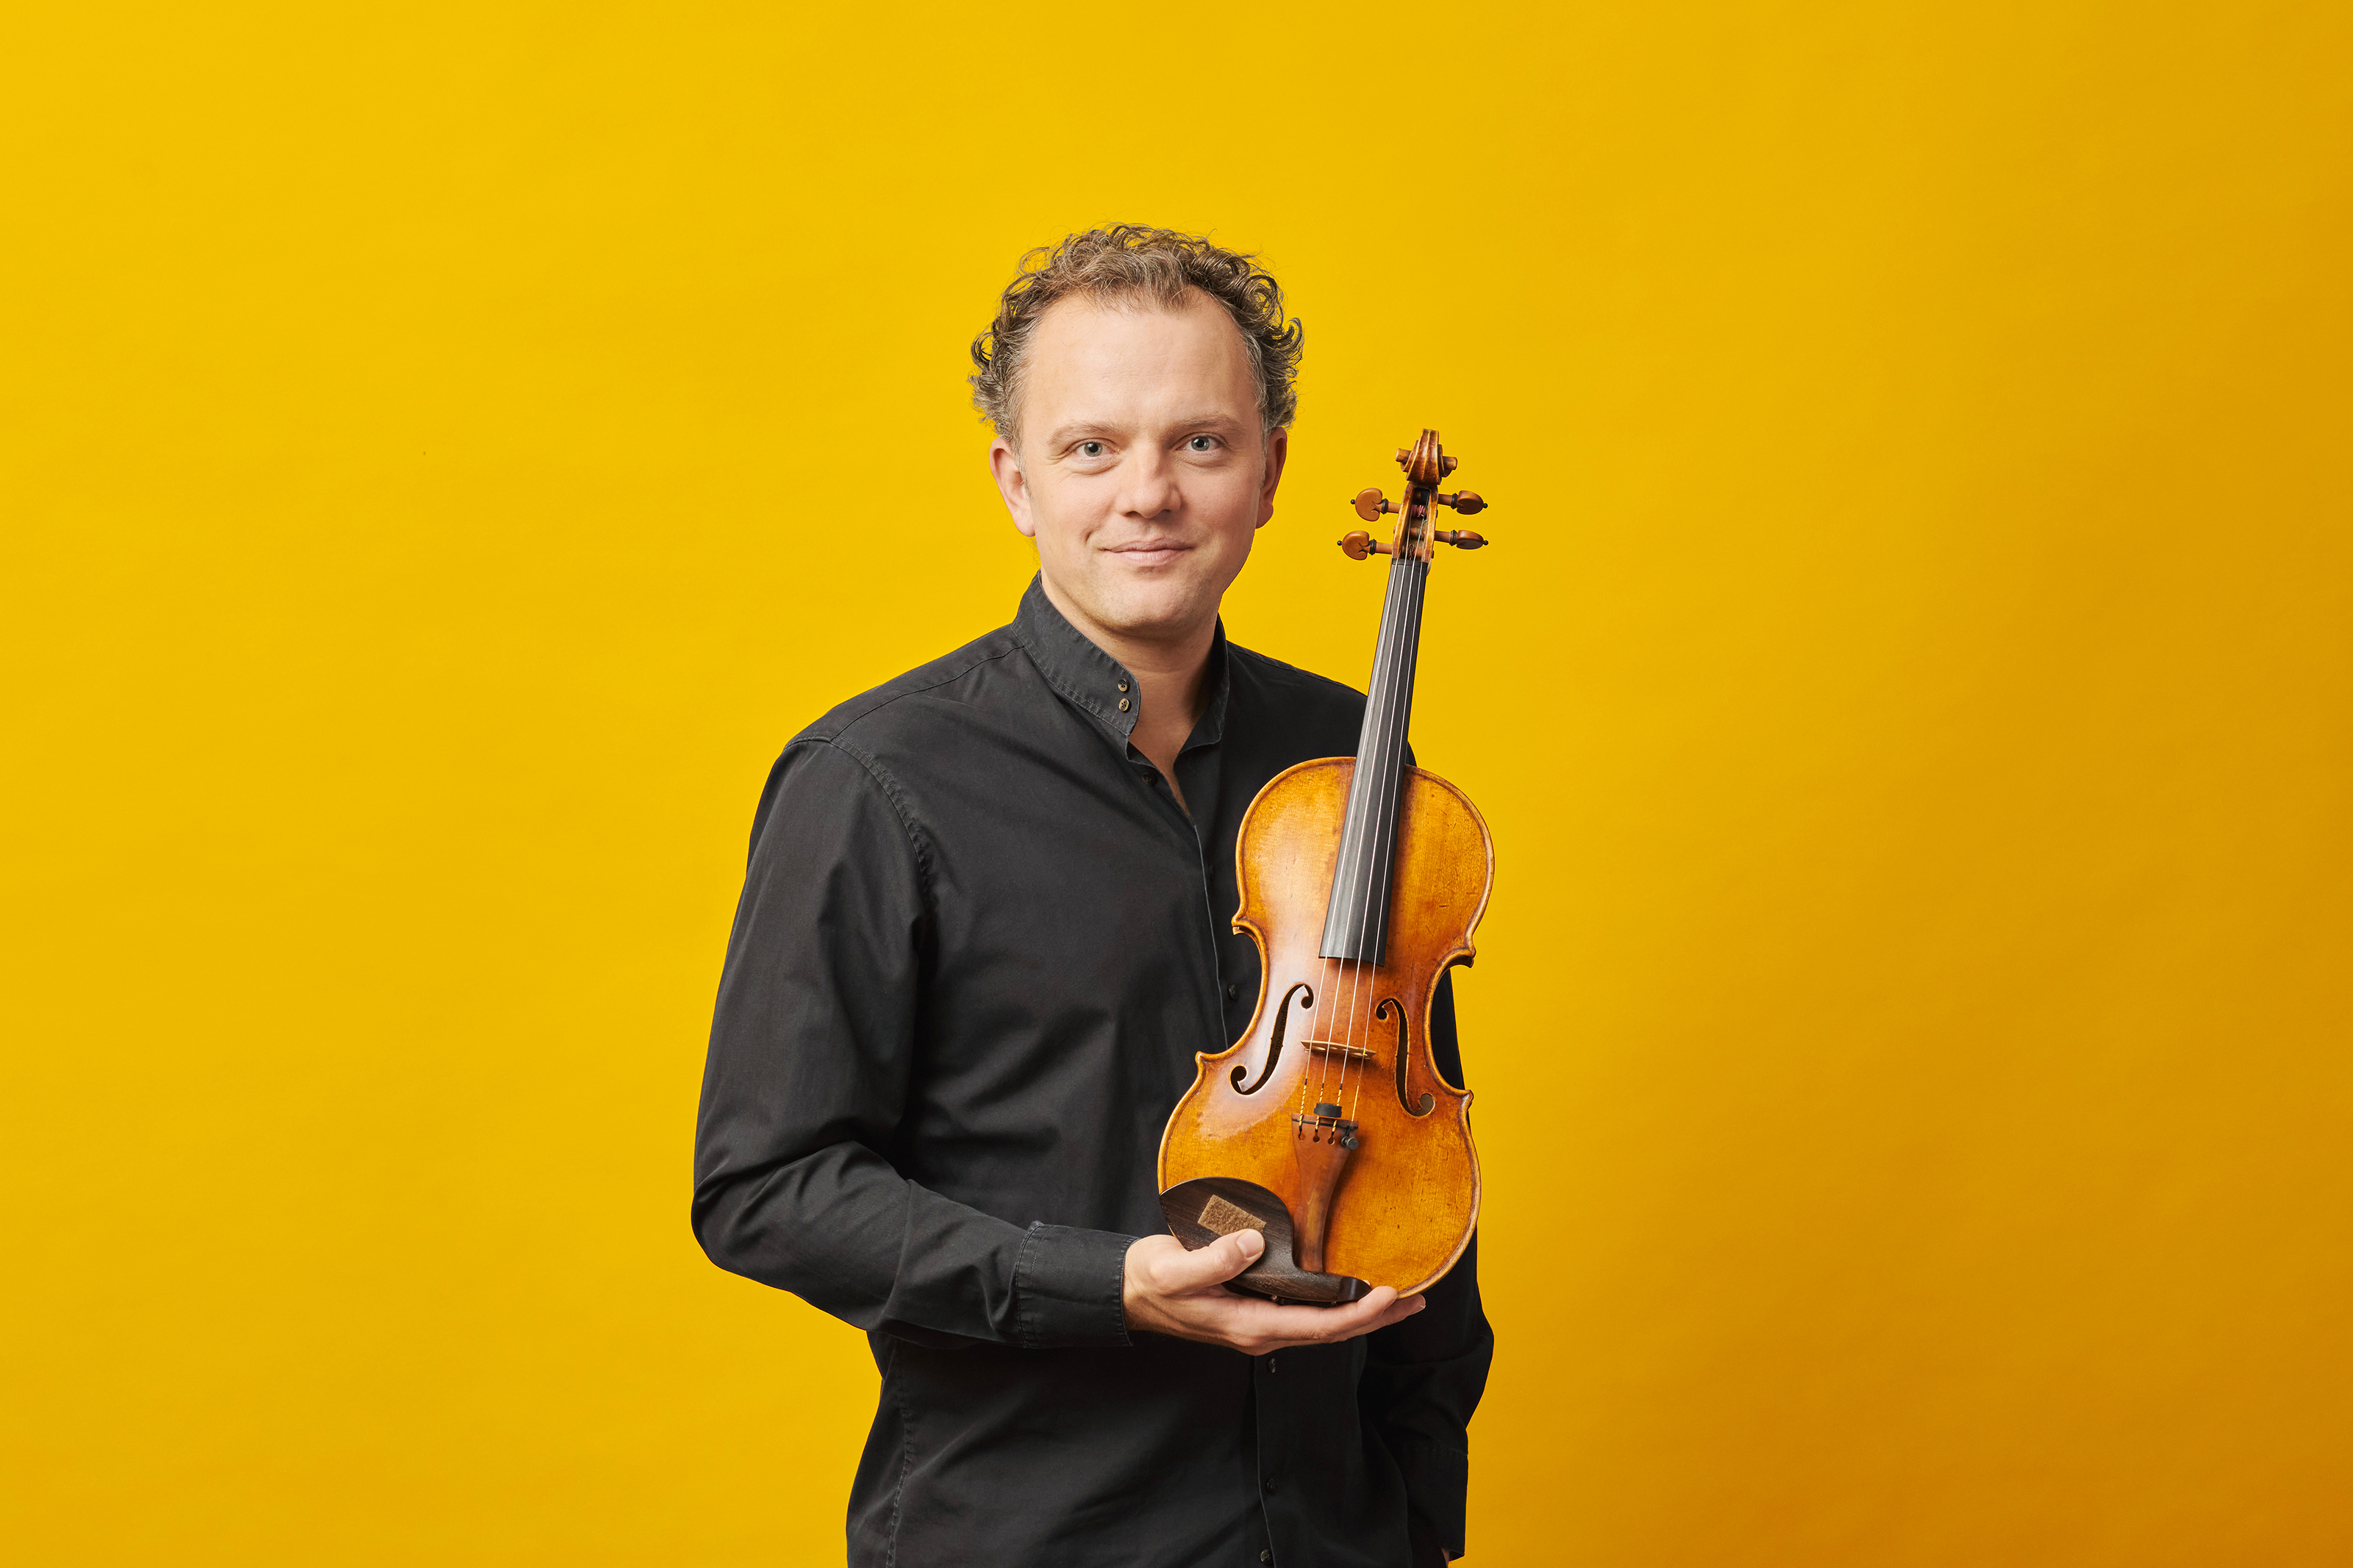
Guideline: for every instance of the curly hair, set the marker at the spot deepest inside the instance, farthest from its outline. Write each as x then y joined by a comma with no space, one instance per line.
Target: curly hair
1134,262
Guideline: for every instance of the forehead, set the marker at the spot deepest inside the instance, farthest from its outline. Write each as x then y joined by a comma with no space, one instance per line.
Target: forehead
1130,357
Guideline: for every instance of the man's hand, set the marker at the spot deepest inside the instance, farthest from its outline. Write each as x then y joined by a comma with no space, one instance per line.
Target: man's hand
1172,1291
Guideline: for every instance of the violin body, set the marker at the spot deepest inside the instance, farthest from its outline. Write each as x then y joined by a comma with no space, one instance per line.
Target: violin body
1327,1128
1397,1209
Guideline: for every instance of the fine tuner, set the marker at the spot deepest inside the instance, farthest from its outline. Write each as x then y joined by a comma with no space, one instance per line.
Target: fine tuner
1357,544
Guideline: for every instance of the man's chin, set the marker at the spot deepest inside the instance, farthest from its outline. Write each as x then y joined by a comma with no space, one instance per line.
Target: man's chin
1150,610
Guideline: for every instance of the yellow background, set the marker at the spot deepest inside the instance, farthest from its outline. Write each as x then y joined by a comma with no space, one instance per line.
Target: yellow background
447,448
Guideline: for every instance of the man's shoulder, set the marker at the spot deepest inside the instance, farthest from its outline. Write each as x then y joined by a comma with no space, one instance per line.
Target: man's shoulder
1291,689
874,717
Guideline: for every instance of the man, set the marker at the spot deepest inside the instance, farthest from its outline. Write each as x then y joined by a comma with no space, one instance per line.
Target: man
984,932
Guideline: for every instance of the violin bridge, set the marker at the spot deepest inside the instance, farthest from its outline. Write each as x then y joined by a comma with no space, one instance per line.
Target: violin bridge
1345,1053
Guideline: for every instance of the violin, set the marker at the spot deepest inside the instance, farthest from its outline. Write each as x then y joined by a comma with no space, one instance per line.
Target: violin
1327,1127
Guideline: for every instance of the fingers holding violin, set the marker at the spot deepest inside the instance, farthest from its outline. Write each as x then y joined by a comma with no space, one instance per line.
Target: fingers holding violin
1170,1290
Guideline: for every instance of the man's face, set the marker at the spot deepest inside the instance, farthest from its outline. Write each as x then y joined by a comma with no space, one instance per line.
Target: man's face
1142,472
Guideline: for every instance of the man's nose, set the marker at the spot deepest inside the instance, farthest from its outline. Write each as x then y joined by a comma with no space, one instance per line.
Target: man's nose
1149,483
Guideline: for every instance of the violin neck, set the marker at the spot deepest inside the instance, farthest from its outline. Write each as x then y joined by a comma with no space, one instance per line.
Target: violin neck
1356,922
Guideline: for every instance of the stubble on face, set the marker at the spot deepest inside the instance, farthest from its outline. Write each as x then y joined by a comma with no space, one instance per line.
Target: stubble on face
1142,472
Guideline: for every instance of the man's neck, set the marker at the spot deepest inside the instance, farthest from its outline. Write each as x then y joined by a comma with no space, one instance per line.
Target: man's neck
1171,680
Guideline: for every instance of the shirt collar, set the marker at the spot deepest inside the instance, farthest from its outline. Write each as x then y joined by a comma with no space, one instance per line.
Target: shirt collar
1092,680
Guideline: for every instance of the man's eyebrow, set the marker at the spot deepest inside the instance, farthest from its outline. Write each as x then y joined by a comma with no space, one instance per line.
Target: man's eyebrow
1063,434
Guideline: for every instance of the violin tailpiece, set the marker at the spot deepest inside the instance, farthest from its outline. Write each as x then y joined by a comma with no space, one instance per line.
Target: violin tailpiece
1322,1144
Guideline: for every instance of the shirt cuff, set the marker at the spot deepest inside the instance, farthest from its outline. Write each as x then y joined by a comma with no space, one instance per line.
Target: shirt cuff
1070,1287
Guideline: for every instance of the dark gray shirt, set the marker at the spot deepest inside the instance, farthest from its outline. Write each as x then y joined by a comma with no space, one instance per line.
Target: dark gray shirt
979,946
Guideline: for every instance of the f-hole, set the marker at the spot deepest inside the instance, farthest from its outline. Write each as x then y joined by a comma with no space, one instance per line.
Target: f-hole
1274,1046
1390,1009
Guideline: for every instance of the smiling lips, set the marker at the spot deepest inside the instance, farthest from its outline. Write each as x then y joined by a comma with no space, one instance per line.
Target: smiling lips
1154,552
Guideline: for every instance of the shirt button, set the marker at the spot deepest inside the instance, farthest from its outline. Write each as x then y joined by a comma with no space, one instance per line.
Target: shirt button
1269,1485
1123,704
1123,686
1266,1556
1233,993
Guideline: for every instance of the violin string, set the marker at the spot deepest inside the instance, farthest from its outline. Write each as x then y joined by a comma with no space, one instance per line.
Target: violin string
1371,771
1410,652
1345,874
1327,965
1386,786
1374,801
1364,782
1354,828
1330,966
1390,783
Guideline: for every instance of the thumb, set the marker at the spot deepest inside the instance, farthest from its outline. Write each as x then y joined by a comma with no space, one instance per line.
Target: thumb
1225,1257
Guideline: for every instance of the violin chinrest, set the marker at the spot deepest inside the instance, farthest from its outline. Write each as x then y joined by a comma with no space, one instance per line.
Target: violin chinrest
1207,1207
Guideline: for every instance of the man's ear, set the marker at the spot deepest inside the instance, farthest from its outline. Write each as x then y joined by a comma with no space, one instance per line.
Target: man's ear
1278,452
1005,466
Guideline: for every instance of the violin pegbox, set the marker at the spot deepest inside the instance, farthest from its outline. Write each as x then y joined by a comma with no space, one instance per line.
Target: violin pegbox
1426,466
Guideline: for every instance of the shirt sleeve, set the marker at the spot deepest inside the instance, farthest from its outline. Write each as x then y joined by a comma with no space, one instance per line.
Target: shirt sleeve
812,1045
1423,1377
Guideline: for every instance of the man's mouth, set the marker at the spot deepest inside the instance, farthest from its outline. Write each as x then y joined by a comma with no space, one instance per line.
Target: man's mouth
1151,553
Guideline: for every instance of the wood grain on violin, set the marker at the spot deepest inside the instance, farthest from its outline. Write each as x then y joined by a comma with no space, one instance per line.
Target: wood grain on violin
1328,1126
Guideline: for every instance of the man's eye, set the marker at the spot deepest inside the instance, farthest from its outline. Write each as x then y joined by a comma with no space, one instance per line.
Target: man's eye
1090,449
1202,444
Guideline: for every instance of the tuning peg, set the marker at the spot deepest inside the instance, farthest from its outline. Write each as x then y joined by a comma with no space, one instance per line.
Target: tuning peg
1369,505
1461,539
1448,465
1356,544
1404,457
1467,502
